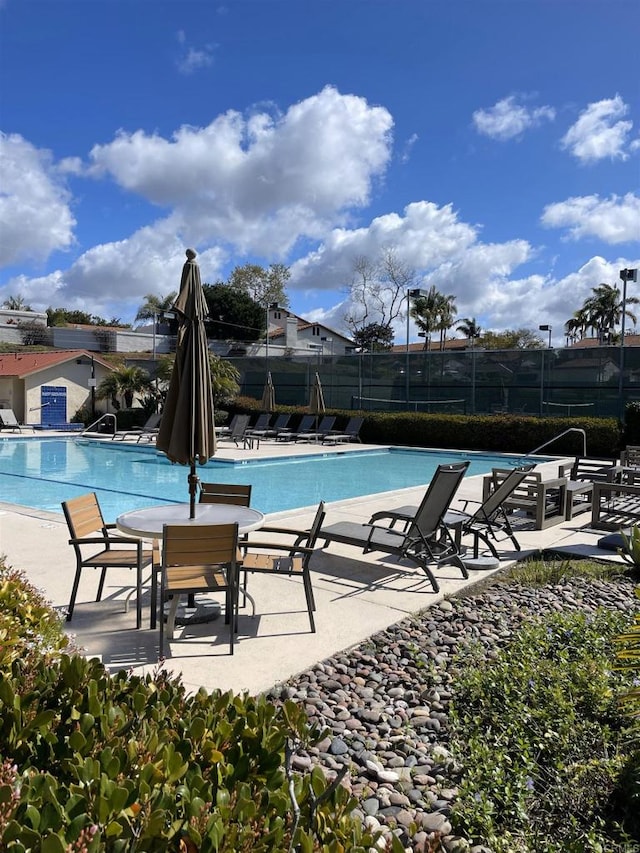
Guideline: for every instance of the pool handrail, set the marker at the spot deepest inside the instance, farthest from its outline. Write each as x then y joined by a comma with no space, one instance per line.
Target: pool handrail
560,435
107,415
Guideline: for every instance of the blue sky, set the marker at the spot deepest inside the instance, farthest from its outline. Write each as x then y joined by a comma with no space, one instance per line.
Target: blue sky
491,144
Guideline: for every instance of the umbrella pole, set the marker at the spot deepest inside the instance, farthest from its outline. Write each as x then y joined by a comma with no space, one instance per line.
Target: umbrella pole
193,488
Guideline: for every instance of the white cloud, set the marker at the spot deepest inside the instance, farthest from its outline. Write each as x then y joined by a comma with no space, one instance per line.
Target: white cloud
263,182
508,119
35,213
193,59
599,132
112,279
613,220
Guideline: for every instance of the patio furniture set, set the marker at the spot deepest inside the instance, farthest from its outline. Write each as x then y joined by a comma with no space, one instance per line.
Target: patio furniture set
216,551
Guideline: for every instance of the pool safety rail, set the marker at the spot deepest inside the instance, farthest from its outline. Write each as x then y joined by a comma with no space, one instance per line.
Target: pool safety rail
560,435
103,419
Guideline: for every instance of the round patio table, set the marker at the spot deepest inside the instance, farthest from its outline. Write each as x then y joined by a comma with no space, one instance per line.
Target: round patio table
147,523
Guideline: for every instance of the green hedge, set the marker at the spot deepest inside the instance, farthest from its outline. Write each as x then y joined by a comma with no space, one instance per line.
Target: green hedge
494,433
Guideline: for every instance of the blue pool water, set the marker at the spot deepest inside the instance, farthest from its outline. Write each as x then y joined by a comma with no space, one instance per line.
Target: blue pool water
41,473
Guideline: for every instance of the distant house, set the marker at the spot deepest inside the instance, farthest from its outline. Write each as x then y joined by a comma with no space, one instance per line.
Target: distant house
49,387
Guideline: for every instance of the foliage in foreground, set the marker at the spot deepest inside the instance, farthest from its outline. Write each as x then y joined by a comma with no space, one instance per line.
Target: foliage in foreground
92,762
545,744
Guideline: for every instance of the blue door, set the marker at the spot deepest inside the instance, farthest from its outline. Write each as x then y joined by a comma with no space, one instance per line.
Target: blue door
53,400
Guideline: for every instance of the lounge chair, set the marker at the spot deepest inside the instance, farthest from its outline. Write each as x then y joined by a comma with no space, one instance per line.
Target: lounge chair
305,425
289,560
260,427
227,428
489,519
238,432
317,433
198,558
427,540
148,432
87,527
280,424
8,420
351,432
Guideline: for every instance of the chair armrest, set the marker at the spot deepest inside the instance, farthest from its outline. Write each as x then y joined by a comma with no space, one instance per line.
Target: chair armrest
104,540
276,546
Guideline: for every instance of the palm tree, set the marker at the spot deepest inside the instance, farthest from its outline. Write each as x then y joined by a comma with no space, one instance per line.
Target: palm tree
426,312
446,314
123,382
16,303
155,305
603,310
469,328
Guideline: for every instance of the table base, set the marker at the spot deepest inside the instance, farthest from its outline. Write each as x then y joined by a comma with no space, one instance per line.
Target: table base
205,610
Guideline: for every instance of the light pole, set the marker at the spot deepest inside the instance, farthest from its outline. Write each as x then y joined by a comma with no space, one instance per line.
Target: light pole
412,293
625,276
545,328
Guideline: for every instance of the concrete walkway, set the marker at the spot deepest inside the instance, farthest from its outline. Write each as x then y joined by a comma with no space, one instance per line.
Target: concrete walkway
356,595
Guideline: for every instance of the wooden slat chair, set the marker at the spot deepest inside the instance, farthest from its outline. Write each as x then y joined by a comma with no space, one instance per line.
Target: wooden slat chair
581,474
223,493
282,559
198,558
88,527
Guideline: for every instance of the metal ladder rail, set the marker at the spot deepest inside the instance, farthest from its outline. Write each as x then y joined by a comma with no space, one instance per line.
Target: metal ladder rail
108,415
560,435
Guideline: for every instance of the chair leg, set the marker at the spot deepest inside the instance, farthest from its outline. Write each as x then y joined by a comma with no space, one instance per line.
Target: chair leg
103,575
139,596
74,592
308,591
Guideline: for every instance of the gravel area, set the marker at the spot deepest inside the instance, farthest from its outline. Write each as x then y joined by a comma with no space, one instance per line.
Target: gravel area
385,702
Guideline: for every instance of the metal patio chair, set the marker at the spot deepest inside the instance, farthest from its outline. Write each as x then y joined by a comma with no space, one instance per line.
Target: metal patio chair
427,540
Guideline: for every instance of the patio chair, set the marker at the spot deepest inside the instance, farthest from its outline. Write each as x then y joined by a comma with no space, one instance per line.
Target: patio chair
225,430
238,432
488,520
581,475
351,432
198,558
8,420
148,432
544,500
306,424
280,424
282,559
223,493
88,527
317,433
260,427
427,540
630,456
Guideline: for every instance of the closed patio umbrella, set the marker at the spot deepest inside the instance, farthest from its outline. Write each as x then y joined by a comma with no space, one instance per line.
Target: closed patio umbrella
187,433
316,401
268,402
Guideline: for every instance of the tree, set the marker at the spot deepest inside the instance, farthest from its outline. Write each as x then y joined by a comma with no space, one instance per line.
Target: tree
512,339
155,305
469,328
433,313
123,382
264,286
602,311
374,338
233,314
16,303
377,291
225,379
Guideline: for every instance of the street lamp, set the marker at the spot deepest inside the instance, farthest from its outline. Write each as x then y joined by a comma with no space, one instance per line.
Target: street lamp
547,328
625,276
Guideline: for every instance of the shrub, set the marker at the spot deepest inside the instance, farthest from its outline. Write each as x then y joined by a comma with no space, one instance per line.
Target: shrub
541,736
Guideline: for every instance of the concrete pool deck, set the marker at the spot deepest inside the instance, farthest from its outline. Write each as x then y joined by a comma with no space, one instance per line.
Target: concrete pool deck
356,595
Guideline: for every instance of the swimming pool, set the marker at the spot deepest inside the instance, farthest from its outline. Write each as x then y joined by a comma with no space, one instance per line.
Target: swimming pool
40,473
